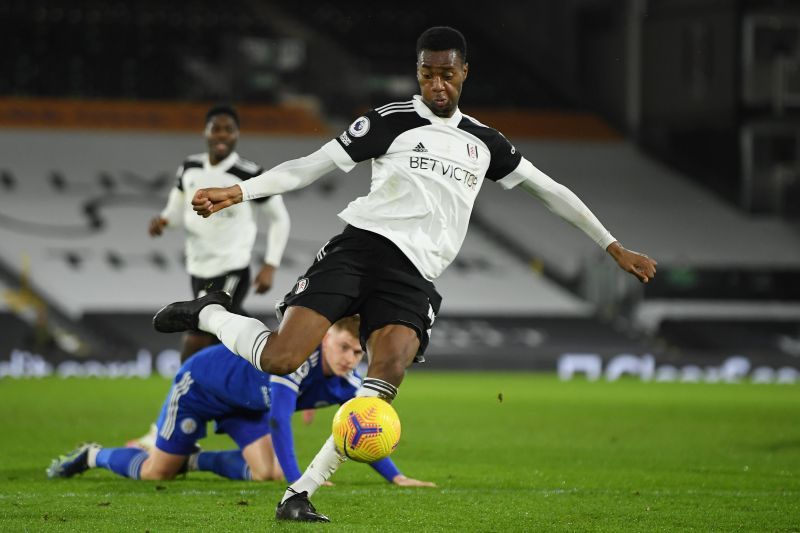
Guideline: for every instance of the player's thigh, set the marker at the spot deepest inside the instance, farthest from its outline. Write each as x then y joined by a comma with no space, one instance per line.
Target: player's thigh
182,420
260,457
161,465
298,336
250,431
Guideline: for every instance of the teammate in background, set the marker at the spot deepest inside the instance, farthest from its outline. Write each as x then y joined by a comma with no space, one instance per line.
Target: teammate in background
429,160
246,404
219,251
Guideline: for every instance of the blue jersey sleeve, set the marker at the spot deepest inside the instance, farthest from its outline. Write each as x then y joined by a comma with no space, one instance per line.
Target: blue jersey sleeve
386,468
284,401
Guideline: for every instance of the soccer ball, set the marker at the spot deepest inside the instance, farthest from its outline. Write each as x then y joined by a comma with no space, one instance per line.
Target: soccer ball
366,429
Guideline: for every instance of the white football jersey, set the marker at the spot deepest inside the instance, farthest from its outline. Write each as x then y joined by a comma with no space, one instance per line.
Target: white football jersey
426,173
224,242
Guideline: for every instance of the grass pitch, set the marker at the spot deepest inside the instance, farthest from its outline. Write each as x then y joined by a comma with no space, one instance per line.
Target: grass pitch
551,456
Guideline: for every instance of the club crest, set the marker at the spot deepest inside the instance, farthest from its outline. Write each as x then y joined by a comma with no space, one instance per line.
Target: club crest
472,151
302,284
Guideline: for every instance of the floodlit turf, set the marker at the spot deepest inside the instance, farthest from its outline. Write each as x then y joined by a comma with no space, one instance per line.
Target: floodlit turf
576,456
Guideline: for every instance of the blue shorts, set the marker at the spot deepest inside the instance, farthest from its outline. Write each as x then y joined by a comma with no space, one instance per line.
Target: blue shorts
187,410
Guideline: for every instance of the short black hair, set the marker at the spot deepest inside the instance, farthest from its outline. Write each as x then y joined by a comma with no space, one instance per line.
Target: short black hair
223,109
442,38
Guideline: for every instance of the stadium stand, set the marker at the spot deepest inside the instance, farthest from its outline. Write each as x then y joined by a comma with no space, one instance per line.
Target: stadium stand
75,202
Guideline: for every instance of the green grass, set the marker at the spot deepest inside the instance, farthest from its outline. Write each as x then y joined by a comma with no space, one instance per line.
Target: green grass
575,456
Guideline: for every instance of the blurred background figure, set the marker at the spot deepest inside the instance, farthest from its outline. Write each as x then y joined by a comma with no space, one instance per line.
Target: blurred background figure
685,113
218,254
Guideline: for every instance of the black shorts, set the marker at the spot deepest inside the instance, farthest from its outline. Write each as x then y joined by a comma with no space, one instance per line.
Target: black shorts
360,272
235,283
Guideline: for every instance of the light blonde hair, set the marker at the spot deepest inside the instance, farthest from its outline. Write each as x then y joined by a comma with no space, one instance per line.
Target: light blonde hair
350,324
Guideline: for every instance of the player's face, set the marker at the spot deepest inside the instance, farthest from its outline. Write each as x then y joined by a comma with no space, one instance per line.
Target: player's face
221,135
441,75
342,351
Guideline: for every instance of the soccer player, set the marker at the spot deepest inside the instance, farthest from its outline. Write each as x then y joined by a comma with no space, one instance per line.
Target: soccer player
218,252
429,160
246,404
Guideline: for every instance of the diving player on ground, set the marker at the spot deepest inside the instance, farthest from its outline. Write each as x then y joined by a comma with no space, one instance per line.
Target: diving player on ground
253,408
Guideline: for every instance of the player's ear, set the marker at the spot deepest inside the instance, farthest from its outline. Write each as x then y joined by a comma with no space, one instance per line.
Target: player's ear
466,70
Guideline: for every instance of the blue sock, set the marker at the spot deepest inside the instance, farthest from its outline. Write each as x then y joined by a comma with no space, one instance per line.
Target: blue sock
229,464
126,462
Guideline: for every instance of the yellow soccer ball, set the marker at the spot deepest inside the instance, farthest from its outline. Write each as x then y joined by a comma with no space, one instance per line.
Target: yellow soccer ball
366,429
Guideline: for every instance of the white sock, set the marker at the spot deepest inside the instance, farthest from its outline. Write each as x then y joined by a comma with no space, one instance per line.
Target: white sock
242,335
318,472
91,457
374,387
191,462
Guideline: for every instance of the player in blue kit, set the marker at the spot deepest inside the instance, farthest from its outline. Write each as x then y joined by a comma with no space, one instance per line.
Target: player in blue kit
253,408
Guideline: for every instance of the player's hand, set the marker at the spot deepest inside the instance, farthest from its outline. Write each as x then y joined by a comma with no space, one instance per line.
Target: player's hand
308,416
403,481
157,225
263,281
208,201
328,484
641,266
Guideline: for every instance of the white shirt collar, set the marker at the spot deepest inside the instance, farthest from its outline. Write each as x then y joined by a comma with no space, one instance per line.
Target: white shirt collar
223,165
425,112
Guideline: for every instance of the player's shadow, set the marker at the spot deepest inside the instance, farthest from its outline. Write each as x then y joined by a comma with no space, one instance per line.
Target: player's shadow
781,445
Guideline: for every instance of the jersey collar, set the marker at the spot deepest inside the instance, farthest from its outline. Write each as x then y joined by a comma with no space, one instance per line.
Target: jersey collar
425,112
223,165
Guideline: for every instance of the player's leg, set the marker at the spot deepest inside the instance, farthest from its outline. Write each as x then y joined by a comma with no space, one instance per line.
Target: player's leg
324,294
395,320
275,352
127,462
253,459
161,465
227,463
392,349
260,457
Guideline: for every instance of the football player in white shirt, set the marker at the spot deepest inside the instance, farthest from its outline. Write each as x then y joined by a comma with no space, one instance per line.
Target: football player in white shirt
429,161
219,252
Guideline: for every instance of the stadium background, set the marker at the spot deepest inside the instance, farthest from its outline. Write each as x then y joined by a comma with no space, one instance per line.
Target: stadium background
676,121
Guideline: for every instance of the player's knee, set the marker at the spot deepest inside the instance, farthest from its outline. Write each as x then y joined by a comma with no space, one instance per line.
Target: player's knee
281,362
157,475
261,474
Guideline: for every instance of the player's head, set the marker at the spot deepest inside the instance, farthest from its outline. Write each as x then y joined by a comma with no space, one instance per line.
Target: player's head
222,131
441,68
341,349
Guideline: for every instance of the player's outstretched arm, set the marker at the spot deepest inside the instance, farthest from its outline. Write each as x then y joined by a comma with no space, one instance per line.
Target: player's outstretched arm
288,176
566,204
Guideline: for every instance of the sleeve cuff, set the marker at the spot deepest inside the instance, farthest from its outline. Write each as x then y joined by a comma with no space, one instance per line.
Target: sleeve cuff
246,194
339,156
517,176
280,380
